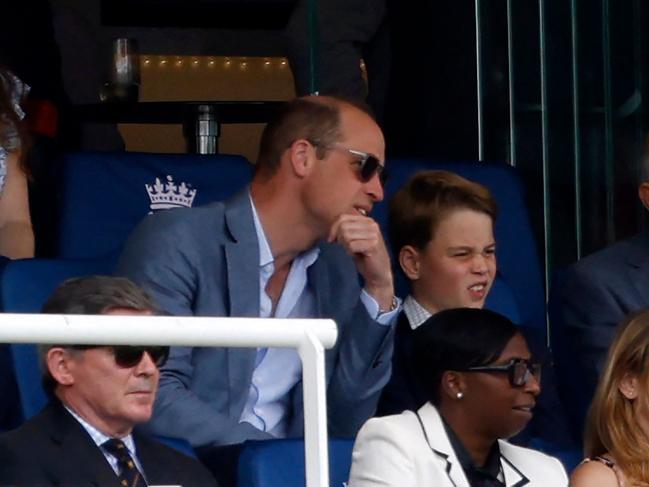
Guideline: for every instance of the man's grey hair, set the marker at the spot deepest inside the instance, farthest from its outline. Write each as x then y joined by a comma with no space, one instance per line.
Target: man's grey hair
91,295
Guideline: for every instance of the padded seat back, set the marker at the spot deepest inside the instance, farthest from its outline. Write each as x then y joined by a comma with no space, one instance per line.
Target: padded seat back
271,463
24,287
105,194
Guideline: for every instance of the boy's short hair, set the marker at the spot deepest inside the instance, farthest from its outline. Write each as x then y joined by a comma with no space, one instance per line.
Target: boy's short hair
428,197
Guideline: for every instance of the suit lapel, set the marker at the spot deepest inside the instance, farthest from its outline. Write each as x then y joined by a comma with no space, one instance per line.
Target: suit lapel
435,434
242,262
85,463
155,472
242,257
513,476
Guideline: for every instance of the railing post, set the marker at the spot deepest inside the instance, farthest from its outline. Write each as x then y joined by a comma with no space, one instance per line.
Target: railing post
315,406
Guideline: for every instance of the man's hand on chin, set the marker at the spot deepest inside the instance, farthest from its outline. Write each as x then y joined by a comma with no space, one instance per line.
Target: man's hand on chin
362,239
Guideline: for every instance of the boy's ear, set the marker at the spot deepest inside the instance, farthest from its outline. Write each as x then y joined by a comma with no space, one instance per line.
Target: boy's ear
409,262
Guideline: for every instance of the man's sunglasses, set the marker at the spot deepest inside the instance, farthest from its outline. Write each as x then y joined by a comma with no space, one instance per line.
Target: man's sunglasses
127,356
519,371
368,165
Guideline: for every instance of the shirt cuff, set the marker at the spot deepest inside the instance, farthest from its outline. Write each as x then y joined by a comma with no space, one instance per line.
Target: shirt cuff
372,307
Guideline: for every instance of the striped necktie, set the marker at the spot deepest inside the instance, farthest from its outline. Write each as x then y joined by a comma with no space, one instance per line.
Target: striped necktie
129,475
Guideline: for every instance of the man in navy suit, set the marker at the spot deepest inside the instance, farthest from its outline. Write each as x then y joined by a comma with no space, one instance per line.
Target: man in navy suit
99,393
290,245
596,295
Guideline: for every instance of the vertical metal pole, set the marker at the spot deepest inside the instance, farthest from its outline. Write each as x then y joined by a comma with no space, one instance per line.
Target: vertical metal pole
314,39
478,49
609,174
512,98
575,123
316,450
545,143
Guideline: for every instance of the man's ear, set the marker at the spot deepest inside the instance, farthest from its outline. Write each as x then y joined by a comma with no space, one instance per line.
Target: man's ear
628,386
409,262
59,363
299,154
643,193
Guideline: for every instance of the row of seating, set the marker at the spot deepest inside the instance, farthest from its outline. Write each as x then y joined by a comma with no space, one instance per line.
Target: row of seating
104,195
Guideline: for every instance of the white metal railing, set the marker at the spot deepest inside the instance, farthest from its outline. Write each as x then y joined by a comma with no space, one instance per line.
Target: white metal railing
309,336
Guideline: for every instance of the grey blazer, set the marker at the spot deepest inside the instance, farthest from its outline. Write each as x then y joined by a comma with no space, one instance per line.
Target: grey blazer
205,262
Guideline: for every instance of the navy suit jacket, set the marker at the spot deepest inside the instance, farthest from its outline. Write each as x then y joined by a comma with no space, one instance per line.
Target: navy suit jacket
53,449
205,262
596,295
403,392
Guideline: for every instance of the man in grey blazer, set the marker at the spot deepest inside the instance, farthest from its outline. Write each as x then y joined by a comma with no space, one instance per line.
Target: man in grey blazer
597,293
291,245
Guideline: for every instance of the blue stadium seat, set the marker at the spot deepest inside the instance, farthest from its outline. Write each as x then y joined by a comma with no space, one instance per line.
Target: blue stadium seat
518,289
272,463
105,194
24,287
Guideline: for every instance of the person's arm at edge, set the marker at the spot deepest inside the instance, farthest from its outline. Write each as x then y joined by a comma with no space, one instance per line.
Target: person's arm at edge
589,474
16,232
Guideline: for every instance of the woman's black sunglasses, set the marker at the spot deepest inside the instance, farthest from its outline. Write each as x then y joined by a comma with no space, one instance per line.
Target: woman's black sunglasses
519,370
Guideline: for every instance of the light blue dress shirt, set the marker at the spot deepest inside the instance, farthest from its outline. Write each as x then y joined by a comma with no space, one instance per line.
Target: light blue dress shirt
277,370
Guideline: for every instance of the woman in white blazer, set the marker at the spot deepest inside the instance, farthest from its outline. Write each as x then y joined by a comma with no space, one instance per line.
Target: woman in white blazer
482,387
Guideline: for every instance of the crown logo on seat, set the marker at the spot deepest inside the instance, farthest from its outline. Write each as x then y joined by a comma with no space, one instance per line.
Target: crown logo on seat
165,196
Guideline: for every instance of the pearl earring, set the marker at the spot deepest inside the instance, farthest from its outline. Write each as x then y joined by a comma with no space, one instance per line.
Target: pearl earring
459,395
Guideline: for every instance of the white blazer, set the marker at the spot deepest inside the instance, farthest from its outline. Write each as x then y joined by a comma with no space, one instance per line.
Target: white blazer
401,451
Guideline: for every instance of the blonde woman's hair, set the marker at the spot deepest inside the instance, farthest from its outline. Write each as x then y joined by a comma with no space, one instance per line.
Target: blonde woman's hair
612,426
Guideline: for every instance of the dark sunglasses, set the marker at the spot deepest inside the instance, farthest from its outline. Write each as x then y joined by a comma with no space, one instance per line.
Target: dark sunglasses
369,165
519,371
127,356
